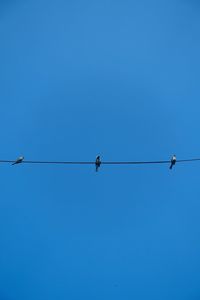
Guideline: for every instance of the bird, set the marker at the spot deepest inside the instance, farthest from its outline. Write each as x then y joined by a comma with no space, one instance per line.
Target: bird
173,161
18,160
97,162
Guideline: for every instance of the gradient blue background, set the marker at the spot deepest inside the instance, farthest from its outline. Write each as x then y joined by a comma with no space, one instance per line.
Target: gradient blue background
119,79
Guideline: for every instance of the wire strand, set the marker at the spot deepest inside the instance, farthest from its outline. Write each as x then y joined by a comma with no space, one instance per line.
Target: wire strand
103,162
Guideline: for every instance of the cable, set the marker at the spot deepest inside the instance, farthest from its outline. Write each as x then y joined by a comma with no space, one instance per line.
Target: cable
188,160
102,163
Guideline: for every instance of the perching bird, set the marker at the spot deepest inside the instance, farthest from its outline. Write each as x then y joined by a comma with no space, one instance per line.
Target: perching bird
97,163
18,160
173,161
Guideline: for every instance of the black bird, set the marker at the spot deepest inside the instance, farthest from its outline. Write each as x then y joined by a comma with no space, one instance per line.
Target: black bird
18,160
97,163
173,161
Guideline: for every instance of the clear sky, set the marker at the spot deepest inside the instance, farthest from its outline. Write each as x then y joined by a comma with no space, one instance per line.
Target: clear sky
119,79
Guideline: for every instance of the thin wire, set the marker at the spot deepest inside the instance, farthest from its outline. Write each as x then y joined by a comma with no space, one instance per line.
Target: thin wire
188,160
103,162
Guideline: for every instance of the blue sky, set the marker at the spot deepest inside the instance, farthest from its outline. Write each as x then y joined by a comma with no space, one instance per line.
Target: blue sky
115,78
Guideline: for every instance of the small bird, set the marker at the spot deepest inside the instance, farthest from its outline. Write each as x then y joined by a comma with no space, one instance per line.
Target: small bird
97,163
18,160
173,161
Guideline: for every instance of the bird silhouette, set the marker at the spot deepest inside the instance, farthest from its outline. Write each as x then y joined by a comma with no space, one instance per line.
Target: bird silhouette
173,161
97,163
18,160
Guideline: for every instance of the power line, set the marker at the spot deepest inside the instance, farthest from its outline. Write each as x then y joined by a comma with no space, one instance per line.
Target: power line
102,162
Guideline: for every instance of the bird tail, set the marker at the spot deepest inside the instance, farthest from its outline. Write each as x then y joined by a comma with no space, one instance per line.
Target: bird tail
171,166
13,163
